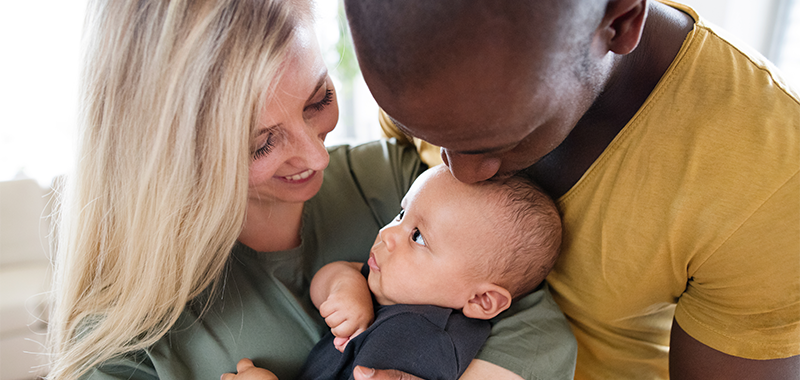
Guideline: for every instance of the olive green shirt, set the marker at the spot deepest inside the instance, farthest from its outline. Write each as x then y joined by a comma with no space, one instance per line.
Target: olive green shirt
264,311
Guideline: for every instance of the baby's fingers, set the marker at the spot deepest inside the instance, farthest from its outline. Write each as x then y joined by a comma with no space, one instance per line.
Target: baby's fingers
244,365
335,320
340,342
344,329
328,308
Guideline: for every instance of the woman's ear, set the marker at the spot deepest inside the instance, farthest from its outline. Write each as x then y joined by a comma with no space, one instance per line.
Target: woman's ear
489,301
621,28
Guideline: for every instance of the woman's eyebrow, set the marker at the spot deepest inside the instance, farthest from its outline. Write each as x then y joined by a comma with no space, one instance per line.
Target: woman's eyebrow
320,82
268,129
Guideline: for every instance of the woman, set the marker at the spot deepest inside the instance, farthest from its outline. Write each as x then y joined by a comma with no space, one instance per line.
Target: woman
196,215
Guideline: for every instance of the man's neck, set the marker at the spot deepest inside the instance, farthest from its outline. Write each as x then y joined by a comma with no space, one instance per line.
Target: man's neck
633,78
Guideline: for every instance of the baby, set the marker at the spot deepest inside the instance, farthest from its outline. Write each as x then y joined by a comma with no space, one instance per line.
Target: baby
456,256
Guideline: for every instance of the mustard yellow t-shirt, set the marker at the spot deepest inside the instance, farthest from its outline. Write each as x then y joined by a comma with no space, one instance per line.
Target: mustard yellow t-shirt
693,211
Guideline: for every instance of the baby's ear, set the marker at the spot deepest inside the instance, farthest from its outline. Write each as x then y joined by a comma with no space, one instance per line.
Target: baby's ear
487,302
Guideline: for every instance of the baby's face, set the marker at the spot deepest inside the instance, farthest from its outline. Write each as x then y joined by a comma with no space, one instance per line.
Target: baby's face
427,254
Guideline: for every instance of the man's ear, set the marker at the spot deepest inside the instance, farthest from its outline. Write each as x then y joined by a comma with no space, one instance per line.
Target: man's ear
621,28
487,302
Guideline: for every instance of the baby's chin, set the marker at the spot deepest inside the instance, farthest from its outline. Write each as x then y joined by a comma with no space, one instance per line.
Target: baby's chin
375,289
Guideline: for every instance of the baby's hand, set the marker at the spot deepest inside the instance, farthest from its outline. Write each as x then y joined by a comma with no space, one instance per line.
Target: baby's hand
348,312
247,371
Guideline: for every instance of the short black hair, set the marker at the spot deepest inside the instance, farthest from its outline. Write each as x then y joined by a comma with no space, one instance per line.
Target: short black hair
406,42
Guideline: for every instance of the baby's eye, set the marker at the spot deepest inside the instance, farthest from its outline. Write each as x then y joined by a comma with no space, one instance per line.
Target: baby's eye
417,237
400,215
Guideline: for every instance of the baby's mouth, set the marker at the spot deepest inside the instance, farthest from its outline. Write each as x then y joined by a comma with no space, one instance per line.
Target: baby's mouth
373,265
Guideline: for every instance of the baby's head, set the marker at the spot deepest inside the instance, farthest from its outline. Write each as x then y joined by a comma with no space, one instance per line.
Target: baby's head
473,247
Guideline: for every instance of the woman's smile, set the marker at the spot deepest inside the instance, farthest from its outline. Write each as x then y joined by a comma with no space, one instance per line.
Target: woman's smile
301,177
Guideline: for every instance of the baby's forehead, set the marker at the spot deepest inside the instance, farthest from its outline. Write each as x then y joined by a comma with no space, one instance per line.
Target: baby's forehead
438,181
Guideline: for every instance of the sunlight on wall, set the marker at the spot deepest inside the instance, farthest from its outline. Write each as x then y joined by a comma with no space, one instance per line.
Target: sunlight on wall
40,41
789,56
39,75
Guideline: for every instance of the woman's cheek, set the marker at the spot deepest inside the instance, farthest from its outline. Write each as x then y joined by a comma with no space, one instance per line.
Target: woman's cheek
329,118
262,170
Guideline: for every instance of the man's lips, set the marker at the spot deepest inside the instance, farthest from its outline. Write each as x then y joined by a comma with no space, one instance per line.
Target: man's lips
373,265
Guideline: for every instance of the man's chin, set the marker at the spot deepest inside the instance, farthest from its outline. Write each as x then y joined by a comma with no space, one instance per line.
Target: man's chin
506,174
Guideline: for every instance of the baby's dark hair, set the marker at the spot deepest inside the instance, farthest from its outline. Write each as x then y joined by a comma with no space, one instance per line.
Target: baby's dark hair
533,236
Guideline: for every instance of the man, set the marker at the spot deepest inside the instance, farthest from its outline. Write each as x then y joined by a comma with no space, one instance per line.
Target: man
674,155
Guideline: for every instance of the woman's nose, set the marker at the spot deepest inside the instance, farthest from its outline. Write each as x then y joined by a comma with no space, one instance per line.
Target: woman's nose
470,168
310,147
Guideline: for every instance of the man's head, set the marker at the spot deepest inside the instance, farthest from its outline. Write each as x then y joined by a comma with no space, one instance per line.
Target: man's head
498,84
473,247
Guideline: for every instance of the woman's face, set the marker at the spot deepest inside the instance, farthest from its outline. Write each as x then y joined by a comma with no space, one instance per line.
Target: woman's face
289,152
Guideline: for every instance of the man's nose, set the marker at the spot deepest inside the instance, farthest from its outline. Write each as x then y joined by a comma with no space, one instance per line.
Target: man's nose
470,168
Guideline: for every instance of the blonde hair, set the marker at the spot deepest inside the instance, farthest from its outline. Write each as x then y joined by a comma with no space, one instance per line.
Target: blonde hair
171,94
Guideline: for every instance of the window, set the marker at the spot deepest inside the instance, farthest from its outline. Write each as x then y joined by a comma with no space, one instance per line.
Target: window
40,41
39,75
786,53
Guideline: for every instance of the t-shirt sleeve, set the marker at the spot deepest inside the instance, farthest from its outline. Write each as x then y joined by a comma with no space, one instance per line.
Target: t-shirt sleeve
740,303
383,172
135,367
533,339
427,151
410,343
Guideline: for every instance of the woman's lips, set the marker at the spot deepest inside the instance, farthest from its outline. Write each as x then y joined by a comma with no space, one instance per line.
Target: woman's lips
373,265
299,177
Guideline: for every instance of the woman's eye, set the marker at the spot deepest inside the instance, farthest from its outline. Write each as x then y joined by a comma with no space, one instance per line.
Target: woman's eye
320,105
400,215
417,237
265,149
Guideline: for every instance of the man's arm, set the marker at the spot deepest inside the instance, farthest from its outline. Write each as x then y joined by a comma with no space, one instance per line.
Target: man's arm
477,370
691,359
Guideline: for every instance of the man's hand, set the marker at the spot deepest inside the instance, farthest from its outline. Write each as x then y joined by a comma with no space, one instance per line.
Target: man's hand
247,371
477,370
362,373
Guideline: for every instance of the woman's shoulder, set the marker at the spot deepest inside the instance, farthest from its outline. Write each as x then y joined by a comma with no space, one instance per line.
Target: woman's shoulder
375,155
379,172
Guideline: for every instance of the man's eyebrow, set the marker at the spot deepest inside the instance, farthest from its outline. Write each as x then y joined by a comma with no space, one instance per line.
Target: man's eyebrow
399,125
320,82
403,129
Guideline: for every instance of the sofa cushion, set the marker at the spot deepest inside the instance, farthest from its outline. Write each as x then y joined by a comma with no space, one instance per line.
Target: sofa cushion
23,225
23,296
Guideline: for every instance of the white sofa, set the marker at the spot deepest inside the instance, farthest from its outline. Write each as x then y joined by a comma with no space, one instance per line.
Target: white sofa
24,278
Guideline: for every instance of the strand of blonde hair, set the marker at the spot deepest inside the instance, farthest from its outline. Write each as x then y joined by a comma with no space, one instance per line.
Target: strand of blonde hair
170,92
